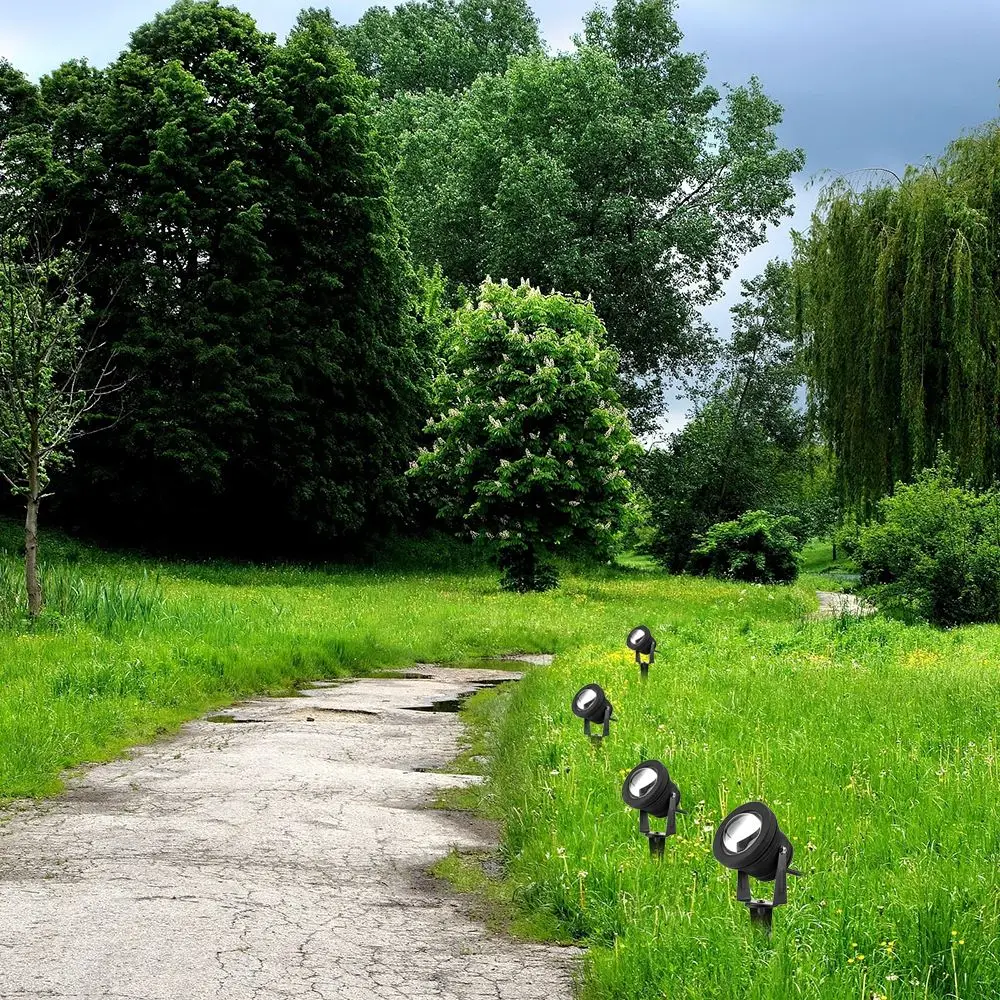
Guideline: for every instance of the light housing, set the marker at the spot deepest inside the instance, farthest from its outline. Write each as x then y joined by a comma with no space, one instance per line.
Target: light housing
649,788
641,640
750,842
591,704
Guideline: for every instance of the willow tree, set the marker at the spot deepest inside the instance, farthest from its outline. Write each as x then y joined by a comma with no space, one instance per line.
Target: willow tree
900,317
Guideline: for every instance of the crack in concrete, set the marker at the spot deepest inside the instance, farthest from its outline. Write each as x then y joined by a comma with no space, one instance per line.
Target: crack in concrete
286,860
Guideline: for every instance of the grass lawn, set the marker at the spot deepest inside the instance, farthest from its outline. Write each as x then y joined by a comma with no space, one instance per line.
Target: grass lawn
875,744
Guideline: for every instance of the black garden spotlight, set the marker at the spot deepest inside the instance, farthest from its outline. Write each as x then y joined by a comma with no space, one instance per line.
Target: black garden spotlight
750,841
591,704
649,789
641,640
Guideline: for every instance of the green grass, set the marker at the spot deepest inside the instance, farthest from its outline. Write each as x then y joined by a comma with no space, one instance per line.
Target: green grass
820,571
130,649
875,743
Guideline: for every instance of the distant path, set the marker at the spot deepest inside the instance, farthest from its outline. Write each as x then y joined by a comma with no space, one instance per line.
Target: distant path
276,857
833,604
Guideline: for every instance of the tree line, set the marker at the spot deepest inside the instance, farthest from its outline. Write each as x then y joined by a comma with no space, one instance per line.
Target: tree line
273,240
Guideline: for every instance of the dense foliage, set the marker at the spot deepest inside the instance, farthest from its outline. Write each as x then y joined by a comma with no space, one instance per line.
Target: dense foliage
531,446
900,312
247,265
613,171
746,447
934,550
757,547
439,45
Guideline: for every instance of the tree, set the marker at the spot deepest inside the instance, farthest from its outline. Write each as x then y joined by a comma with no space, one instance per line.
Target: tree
440,45
745,447
532,446
614,171
53,374
228,186
900,312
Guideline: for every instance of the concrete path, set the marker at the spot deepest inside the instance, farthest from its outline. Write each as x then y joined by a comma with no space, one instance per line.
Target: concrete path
282,855
833,604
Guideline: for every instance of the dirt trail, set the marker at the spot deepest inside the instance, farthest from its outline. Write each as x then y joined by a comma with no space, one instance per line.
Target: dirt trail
272,858
833,604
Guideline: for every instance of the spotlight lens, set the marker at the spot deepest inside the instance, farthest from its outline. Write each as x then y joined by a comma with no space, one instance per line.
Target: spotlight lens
741,832
642,781
586,699
636,636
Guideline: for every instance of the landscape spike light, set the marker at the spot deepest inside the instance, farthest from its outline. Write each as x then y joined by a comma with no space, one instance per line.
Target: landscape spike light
591,704
641,640
750,842
649,789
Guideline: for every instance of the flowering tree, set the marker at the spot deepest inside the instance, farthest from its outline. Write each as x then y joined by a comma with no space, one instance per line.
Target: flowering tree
532,444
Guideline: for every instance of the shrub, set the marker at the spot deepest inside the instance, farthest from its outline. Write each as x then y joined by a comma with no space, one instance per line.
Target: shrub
934,551
757,547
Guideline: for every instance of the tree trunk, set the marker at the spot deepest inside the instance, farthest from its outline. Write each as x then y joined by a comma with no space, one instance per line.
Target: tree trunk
31,538
835,550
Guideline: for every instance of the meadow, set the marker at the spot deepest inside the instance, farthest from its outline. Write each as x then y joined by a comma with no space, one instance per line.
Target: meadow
874,742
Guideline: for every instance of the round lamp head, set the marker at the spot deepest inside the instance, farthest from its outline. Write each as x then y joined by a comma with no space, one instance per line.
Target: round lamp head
749,840
640,639
648,787
590,702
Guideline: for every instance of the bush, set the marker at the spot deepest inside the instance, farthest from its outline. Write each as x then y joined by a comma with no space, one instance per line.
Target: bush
934,552
846,538
532,446
757,547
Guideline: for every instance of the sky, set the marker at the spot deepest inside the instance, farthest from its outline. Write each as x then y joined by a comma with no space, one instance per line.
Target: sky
864,83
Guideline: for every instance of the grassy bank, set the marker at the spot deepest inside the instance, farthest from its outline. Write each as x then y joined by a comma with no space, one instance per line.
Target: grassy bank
875,744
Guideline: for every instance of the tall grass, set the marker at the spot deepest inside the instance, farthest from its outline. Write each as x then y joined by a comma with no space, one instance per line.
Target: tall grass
99,598
876,745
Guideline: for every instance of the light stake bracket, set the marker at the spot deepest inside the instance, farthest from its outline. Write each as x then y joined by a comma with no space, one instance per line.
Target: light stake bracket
762,910
658,840
644,664
606,731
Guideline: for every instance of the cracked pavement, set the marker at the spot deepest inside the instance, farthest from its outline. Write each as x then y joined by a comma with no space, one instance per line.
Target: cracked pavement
279,858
